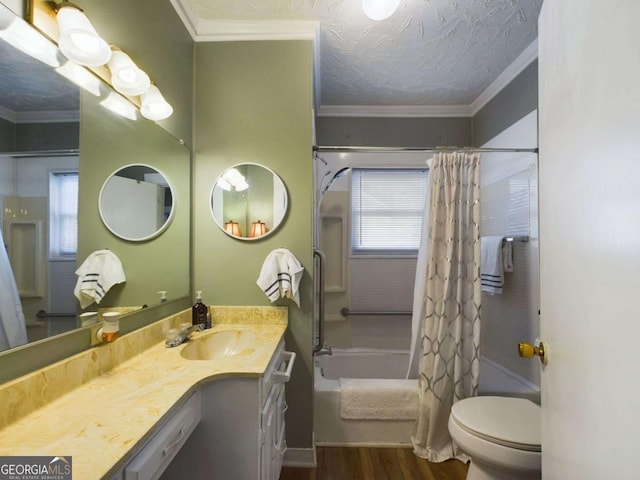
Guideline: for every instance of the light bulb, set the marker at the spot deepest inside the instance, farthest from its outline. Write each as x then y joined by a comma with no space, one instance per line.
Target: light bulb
154,106
126,77
78,40
379,9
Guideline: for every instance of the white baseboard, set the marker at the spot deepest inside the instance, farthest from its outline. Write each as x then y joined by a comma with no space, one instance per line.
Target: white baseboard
300,457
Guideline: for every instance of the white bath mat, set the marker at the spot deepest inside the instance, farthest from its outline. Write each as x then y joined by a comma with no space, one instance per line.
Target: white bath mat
378,399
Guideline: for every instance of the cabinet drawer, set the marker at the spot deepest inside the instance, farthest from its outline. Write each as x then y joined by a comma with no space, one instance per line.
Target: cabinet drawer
154,457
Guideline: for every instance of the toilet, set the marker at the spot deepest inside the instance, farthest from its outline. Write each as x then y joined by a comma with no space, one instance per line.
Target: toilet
500,434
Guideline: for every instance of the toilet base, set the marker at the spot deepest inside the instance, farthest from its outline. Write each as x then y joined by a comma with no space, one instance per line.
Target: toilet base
481,471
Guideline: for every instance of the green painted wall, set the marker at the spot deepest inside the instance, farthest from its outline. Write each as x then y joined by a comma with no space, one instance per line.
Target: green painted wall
253,103
108,142
164,49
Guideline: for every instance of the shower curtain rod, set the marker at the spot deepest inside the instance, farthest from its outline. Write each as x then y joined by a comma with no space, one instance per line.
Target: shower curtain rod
348,149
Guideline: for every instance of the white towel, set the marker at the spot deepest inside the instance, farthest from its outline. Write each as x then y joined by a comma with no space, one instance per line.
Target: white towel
495,259
280,276
97,274
381,399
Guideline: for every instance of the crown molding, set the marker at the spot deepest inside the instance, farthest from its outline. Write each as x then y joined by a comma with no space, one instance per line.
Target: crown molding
40,116
187,16
202,30
240,30
506,77
394,111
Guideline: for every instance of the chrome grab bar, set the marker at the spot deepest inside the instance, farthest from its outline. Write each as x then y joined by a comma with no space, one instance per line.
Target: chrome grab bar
345,312
321,261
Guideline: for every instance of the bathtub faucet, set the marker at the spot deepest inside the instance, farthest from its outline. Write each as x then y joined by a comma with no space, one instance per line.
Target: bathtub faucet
324,351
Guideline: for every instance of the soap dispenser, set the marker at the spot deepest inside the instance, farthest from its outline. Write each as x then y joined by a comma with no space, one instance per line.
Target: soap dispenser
199,311
163,296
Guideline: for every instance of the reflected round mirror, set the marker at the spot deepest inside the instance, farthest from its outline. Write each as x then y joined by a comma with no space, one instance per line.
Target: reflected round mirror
248,201
136,203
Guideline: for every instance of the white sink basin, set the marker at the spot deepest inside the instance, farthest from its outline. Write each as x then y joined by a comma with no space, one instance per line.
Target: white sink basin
220,344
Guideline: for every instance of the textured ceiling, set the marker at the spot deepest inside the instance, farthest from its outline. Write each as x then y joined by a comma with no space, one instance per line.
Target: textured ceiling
429,52
29,86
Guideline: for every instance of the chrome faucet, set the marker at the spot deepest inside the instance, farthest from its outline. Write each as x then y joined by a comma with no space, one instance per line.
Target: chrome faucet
183,335
325,350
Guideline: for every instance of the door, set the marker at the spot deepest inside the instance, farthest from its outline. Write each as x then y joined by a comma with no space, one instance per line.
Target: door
589,59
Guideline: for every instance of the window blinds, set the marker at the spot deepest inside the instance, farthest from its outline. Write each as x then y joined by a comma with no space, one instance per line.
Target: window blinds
63,214
386,210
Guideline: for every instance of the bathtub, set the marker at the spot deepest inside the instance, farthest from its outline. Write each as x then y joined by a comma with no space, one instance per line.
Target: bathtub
331,430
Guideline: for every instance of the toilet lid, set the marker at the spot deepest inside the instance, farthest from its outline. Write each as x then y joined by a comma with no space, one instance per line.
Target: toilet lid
512,422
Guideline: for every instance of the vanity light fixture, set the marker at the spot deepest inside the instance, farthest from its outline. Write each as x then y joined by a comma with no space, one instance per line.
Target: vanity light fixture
22,36
126,76
379,9
119,105
232,228
153,105
232,178
78,40
258,229
223,184
81,77
242,186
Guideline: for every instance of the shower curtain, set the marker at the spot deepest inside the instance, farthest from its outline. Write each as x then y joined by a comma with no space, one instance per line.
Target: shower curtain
13,331
450,330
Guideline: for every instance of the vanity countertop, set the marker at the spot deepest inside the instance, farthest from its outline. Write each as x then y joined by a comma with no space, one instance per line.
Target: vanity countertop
102,422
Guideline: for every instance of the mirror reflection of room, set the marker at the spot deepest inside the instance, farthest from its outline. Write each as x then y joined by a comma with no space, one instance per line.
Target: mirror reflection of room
248,201
136,202
39,138
52,167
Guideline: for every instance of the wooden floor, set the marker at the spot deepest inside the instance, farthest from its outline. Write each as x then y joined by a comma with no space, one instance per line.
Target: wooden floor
338,463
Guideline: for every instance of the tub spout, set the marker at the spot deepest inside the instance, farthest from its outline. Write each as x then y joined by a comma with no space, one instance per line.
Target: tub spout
324,351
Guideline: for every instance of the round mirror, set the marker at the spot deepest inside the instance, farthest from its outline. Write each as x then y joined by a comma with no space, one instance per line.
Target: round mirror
136,203
248,201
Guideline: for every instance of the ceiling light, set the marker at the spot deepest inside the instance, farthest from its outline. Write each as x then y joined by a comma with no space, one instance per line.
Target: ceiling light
126,77
78,40
379,9
154,106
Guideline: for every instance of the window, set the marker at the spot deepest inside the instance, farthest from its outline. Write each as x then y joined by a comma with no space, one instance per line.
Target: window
386,210
63,214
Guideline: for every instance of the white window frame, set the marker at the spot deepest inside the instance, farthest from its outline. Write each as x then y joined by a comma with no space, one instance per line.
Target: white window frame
55,250
356,247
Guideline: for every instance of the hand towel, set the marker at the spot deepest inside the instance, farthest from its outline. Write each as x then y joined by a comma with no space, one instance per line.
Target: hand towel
280,276
491,264
98,273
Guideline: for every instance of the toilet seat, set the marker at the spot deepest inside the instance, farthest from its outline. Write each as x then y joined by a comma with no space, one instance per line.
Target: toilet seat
510,422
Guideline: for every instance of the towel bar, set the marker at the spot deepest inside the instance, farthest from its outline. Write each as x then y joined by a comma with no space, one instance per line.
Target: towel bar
523,238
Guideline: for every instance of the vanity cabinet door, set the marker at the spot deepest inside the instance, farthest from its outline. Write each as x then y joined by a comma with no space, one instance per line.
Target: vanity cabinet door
272,424
158,453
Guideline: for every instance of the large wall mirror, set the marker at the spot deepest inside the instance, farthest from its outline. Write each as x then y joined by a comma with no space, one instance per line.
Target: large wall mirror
248,201
136,203
57,140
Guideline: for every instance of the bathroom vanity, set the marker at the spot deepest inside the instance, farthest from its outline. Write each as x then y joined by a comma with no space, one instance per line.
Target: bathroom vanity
134,409
244,419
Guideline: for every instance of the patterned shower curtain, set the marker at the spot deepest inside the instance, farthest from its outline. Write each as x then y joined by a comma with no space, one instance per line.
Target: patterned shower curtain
449,358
